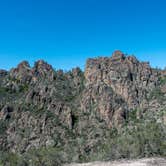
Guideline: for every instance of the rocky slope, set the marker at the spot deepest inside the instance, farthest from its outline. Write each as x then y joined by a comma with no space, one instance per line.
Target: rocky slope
73,116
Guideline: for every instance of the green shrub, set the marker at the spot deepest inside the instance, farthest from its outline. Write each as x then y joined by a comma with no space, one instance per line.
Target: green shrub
163,80
3,127
7,158
44,156
3,91
157,94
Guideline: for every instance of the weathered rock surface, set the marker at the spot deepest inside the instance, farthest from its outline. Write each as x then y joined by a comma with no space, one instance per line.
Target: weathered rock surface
41,107
127,79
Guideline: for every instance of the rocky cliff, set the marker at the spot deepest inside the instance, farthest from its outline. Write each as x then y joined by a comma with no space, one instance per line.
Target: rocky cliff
78,112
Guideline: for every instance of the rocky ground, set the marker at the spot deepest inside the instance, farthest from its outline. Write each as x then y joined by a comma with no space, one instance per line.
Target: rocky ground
140,162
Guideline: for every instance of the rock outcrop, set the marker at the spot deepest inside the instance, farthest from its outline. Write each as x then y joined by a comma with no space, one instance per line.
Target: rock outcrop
42,107
125,77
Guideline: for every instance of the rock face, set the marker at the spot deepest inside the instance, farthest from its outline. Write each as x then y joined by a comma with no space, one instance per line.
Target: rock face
128,80
41,107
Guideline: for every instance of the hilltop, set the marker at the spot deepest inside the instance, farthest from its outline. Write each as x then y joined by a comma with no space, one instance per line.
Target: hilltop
115,109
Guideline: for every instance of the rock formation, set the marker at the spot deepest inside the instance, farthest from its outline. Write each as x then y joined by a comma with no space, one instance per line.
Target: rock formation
41,107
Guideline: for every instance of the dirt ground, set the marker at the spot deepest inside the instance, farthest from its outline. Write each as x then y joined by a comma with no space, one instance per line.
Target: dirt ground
139,162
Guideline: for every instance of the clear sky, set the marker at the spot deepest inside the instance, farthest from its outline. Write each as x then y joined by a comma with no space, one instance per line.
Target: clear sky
66,32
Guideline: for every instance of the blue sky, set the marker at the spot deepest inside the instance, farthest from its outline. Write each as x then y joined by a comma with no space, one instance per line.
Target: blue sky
66,32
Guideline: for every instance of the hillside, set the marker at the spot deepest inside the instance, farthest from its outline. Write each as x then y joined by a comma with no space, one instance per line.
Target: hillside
115,109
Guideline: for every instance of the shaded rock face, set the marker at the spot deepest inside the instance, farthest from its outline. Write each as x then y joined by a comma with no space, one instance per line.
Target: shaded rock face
3,73
41,106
